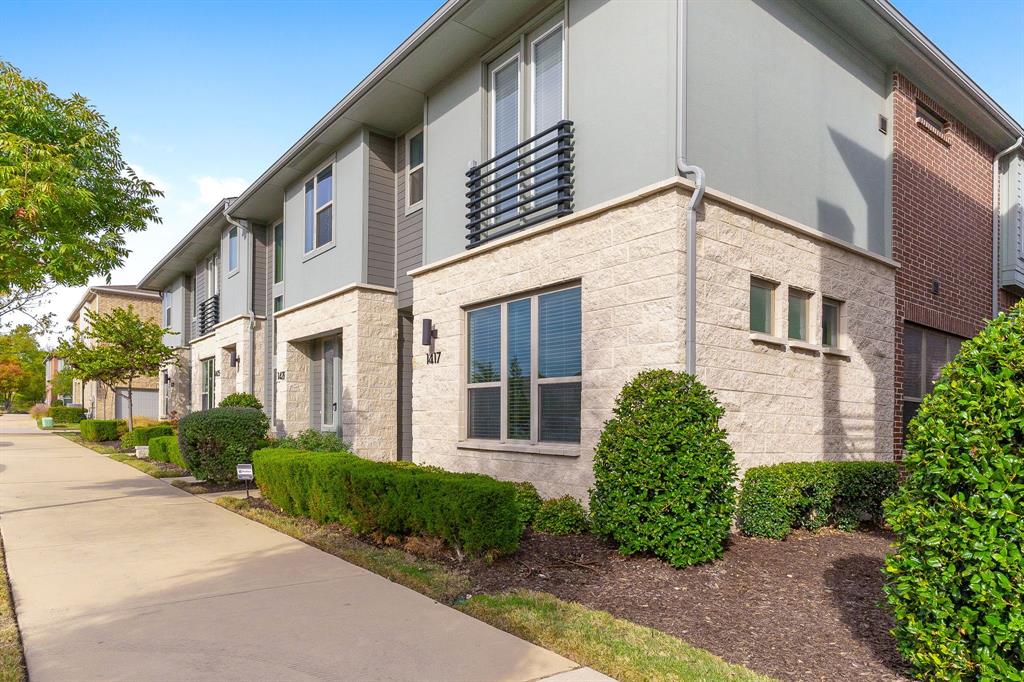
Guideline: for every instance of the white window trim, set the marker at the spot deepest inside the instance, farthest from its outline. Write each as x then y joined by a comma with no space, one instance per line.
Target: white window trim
212,275
513,55
317,250
533,444
238,252
335,414
559,24
212,402
411,208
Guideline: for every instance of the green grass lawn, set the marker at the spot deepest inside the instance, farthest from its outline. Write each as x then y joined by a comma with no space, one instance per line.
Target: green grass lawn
624,650
154,469
12,660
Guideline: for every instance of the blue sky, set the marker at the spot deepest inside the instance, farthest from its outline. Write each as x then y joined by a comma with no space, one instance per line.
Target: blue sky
208,94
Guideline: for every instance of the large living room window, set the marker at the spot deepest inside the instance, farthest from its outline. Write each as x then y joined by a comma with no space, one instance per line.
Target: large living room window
524,369
925,353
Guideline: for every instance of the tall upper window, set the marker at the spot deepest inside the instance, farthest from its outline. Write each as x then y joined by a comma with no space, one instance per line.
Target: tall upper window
167,308
525,367
319,203
278,253
414,170
212,275
232,249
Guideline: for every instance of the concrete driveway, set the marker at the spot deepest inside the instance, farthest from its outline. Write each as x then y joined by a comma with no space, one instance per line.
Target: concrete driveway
119,576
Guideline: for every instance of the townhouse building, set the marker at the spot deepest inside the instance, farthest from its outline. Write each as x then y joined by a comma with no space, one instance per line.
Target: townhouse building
803,202
101,401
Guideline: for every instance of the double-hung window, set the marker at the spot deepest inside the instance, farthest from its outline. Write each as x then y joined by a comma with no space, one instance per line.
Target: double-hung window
526,97
319,204
414,170
524,369
167,309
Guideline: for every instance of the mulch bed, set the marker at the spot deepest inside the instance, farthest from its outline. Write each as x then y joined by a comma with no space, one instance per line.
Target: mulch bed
803,609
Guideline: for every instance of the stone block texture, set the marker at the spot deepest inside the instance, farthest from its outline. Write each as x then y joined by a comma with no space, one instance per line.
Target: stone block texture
227,338
630,263
365,321
942,226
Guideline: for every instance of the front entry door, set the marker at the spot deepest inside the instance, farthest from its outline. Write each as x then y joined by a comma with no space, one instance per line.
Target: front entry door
330,394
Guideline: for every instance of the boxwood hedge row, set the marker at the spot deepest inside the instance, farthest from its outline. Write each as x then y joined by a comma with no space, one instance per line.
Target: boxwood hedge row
474,513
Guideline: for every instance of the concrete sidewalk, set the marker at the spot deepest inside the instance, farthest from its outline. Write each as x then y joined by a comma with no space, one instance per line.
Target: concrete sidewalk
119,576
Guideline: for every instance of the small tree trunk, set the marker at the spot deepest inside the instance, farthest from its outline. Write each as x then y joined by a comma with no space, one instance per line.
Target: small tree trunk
130,418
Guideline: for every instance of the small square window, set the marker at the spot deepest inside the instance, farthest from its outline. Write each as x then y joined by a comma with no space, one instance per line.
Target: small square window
831,323
762,295
798,314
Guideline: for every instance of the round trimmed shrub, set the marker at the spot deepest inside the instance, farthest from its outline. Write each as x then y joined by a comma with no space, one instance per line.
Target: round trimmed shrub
956,580
664,473
241,400
213,441
561,516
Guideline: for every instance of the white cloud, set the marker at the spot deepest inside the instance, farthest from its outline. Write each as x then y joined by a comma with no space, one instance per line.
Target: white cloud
212,190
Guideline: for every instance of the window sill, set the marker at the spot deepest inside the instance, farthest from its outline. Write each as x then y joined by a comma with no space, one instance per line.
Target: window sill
409,210
804,345
940,136
309,255
234,272
836,352
758,337
567,450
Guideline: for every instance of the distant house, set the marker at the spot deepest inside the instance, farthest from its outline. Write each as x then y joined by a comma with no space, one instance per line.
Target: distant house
466,258
99,400
53,366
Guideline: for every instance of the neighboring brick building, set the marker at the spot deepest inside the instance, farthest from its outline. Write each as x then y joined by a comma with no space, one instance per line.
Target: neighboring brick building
100,401
942,239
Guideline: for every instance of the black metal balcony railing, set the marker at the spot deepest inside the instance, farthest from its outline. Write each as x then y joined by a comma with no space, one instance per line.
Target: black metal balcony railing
521,186
208,314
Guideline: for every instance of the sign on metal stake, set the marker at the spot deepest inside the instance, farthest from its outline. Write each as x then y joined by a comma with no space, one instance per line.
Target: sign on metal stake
244,473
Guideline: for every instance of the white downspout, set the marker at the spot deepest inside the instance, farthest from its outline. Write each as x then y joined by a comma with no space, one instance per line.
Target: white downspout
242,229
697,172
995,222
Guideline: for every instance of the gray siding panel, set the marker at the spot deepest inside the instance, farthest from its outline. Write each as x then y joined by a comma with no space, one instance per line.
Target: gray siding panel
259,270
200,294
801,140
380,219
409,229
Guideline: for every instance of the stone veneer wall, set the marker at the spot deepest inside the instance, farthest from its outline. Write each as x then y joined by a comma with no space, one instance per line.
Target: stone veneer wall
782,404
180,386
365,319
232,379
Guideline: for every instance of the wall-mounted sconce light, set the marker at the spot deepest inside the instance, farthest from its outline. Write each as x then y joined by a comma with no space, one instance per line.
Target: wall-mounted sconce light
429,333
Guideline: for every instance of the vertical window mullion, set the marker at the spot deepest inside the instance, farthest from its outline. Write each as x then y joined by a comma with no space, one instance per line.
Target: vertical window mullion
534,370
503,361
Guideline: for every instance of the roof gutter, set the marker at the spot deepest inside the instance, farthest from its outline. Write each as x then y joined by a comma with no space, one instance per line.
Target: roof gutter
995,221
947,66
379,73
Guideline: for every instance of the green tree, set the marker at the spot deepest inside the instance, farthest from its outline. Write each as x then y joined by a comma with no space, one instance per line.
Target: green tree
20,346
67,198
116,348
63,383
11,376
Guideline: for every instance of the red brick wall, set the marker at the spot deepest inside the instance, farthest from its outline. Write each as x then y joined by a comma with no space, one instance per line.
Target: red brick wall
942,226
